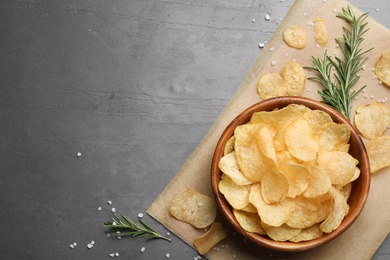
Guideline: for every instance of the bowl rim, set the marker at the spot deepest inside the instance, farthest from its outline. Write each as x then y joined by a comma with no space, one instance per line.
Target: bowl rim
286,246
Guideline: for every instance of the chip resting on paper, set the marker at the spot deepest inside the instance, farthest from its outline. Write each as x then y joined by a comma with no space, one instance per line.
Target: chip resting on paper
211,238
372,120
295,37
378,150
320,31
194,208
382,68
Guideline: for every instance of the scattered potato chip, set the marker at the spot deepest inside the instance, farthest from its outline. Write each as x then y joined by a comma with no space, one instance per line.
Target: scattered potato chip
274,186
194,208
249,221
282,233
382,68
236,195
229,146
339,166
271,85
300,140
378,150
337,213
372,120
320,31
211,238
294,77
307,234
228,165
297,176
272,214
295,37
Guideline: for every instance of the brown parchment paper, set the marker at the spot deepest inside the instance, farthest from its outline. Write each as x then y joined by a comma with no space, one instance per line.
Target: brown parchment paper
364,237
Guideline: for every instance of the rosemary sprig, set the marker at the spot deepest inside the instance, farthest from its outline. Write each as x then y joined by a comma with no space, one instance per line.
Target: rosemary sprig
338,93
128,227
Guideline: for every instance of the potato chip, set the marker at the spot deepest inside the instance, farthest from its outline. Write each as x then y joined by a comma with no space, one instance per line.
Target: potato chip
244,134
319,183
334,137
339,166
274,186
236,195
297,176
326,206
372,120
320,31
271,85
378,150
228,165
306,213
346,190
337,213
252,163
317,119
307,234
250,208
294,77
272,214
282,233
194,208
295,37
211,238
300,140
249,221
382,68
265,142
229,146
285,156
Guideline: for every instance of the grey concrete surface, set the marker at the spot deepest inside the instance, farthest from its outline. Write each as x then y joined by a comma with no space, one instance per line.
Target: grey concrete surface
131,85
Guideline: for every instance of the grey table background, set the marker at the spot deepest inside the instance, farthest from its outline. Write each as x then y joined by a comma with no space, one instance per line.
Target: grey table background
131,85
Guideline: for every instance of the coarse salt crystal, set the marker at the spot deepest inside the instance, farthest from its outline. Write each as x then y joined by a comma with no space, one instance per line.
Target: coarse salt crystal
168,233
99,208
71,246
200,204
112,254
109,202
92,242
89,246
116,254
140,215
377,10
261,45
273,63
113,209
267,17
119,238
167,255
78,154
253,20
75,244
142,249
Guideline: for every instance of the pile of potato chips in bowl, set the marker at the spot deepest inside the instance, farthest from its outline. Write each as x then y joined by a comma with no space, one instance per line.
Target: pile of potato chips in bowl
290,173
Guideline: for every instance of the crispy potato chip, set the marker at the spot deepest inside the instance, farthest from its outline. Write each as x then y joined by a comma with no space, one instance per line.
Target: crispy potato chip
378,150
326,206
228,165
282,233
285,156
334,137
300,140
295,37
307,212
319,183
250,208
272,214
339,166
317,119
265,142
249,221
211,238
307,234
274,186
372,120
244,134
236,195
194,208
320,31
337,213
229,146
294,77
382,68
346,190
297,176
252,163
271,85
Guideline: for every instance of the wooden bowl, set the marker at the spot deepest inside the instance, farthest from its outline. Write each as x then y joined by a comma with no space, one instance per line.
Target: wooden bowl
360,186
